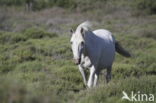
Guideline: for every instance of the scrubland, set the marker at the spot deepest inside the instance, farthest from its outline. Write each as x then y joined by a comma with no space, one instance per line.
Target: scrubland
35,58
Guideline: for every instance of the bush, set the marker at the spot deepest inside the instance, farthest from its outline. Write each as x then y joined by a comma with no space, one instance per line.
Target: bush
65,3
30,66
11,2
31,33
121,70
41,4
43,63
37,33
146,5
24,53
113,91
8,37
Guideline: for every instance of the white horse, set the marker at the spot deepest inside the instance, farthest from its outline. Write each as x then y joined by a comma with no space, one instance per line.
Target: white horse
94,50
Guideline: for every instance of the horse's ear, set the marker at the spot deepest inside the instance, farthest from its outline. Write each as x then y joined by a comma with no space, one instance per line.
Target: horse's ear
82,32
72,31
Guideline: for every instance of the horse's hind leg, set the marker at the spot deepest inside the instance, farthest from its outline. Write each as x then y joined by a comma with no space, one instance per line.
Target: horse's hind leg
96,77
109,75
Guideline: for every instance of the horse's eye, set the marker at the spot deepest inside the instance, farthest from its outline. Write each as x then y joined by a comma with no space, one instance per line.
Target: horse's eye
71,42
82,43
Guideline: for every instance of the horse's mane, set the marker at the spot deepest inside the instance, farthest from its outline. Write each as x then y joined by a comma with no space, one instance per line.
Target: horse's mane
85,25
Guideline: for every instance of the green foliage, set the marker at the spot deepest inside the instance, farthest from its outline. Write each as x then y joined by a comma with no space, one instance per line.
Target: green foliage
37,33
11,2
39,66
113,91
126,70
40,4
30,66
8,37
34,33
36,65
146,5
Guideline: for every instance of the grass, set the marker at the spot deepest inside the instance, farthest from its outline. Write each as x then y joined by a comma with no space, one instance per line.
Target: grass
43,64
113,91
36,62
147,6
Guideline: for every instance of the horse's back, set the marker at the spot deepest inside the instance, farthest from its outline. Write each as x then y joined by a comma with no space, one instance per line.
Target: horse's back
107,43
104,34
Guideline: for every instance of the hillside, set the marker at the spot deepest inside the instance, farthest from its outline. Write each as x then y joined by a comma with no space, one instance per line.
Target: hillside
36,62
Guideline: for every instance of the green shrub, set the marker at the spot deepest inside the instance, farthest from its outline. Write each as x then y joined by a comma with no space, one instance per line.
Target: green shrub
70,75
37,33
11,2
32,33
15,90
42,62
25,53
8,37
65,3
30,66
41,4
113,91
146,5
58,47
148,32
146,62
122,70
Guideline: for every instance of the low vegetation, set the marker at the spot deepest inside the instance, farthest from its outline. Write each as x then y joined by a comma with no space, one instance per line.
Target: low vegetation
39,67
36,61
148,6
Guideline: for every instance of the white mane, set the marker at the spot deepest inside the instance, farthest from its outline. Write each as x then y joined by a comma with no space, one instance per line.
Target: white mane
85,25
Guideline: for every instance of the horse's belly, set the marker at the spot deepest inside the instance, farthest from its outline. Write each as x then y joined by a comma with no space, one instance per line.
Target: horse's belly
107,57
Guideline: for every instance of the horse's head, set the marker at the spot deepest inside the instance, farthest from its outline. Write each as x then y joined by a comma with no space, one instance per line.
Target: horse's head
77,45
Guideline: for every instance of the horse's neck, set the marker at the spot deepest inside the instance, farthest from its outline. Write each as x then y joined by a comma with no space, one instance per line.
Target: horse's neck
89,37
89,41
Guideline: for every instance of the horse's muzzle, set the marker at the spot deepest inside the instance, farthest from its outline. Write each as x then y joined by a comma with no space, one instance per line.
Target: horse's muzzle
77,61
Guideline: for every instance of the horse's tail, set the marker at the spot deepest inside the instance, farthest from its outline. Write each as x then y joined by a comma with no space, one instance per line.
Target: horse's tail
121,50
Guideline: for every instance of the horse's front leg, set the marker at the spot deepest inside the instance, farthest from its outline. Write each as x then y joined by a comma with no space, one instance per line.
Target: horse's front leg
91,77
81,69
